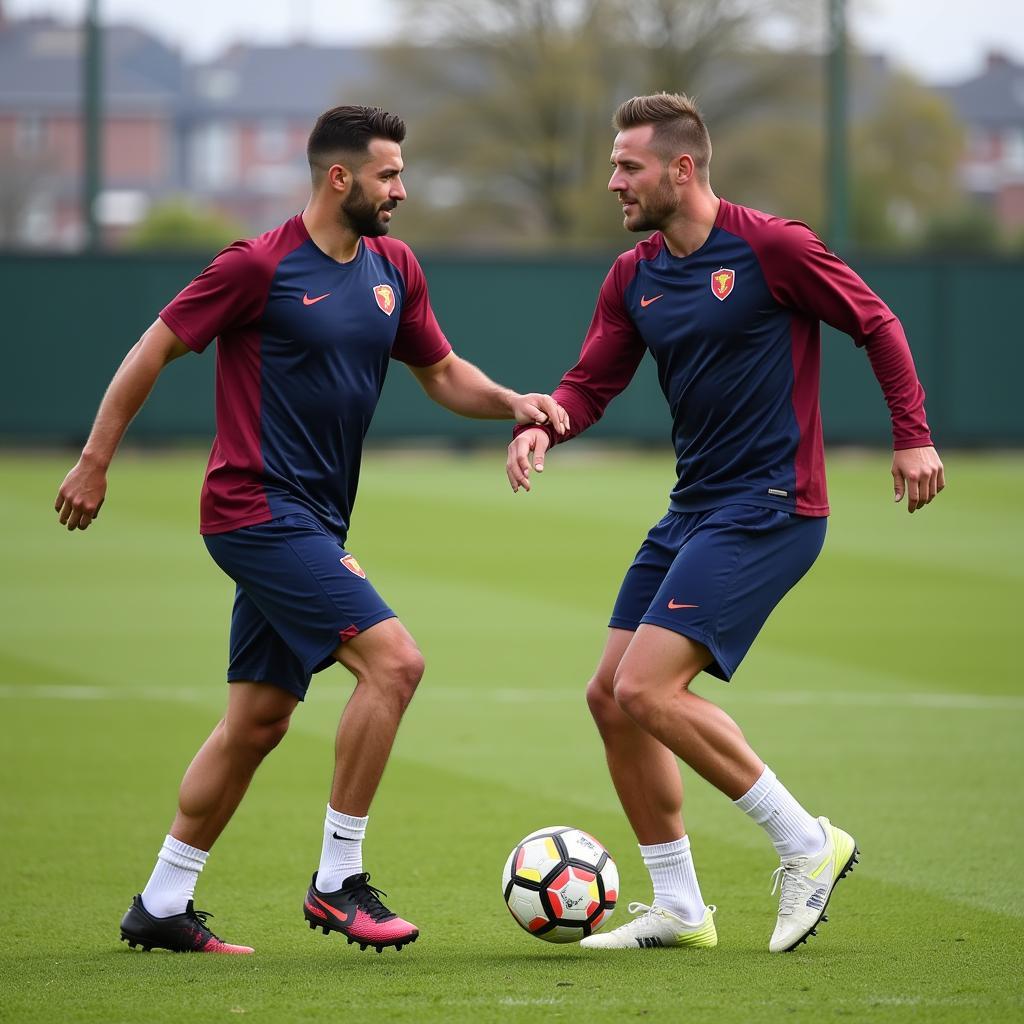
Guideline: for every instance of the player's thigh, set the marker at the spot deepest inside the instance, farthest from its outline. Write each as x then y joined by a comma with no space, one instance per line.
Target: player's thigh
729,576
615,646
310,590
259,712
658,660
646,573
259,656
643,578
384,653
601,687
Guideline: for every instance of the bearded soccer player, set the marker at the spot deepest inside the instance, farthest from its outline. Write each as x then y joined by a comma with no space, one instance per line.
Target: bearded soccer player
308,317
728,302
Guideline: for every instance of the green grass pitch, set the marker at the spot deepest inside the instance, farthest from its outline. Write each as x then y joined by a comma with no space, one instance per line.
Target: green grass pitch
885,691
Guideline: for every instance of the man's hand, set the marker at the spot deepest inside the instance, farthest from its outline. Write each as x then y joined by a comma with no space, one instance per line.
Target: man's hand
529,442
81,495
84,488
534,408
918,473
468,391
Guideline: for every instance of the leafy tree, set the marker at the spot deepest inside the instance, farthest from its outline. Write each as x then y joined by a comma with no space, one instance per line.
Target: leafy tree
905,159
969,229
178,226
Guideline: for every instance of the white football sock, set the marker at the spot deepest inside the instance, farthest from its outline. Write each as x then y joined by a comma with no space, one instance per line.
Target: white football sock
342,852
173,882
674,879
792,830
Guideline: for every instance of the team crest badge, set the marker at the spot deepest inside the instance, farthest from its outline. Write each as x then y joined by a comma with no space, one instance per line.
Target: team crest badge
385,296
353,567
721,284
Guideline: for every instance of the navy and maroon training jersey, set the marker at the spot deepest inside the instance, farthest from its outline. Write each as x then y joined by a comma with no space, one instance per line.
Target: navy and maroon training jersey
734,329
303,349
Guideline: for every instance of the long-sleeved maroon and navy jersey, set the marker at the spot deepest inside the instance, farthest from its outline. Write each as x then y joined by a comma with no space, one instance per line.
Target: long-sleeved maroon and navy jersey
304,346
734,329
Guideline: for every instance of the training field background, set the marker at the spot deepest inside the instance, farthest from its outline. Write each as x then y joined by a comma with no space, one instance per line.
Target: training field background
885,691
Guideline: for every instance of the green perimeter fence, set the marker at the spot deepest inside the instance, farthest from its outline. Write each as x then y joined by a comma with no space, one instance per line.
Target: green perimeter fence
68,320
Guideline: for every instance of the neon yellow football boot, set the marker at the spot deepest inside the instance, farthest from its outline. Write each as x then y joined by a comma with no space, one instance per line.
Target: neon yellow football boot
807,884
656,928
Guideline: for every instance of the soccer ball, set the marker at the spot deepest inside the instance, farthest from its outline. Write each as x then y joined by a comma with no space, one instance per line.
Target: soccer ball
560,884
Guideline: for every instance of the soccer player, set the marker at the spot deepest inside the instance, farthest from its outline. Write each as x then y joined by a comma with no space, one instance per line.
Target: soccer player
728,302
308,317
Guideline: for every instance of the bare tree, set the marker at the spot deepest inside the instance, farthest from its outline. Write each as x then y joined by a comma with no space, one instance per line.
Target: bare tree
511,102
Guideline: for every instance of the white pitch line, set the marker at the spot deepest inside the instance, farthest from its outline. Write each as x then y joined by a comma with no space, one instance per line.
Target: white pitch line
841,698
850,698
74,692
930,701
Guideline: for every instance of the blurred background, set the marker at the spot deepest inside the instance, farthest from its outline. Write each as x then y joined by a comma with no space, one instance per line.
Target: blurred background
137,139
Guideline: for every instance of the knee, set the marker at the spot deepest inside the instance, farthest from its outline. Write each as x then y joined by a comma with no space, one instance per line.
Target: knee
404,673
257,738
630,696
642,696
601,701
271,733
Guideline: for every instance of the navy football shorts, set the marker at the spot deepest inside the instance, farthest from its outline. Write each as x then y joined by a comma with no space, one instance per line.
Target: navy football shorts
299,594
715,576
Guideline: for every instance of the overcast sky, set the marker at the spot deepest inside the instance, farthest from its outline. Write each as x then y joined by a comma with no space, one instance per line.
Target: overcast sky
937,46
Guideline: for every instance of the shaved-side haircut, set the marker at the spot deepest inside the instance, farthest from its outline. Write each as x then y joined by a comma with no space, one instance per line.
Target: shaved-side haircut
349,130
678,127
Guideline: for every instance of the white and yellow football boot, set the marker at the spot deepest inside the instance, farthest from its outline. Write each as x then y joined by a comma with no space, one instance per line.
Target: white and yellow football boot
807,884
656,928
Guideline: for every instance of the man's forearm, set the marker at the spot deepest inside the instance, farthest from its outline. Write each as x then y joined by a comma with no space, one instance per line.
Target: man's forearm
468,391
893,366
84,489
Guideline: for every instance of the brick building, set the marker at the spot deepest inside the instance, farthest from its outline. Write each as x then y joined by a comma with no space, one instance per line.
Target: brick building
229,134
245,119
40,129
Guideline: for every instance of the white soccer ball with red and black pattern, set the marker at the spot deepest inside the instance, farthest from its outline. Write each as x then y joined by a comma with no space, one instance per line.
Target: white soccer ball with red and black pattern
560,884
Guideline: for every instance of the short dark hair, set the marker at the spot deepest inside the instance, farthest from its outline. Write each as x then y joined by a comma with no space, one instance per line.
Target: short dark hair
678,126
351,129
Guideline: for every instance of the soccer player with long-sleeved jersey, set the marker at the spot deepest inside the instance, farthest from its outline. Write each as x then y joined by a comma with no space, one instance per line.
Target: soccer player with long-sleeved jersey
728,301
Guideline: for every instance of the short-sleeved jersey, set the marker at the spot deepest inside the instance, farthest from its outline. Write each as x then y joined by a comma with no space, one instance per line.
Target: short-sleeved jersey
303,348
734,329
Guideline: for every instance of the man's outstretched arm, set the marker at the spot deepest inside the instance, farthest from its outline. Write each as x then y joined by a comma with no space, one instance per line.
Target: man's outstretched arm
611,353
84,488
465,389
917,470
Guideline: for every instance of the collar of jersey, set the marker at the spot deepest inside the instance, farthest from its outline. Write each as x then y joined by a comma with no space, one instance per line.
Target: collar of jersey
350,265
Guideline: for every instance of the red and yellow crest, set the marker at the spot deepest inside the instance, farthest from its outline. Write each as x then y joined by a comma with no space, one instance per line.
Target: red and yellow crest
353,566
385,296
722,282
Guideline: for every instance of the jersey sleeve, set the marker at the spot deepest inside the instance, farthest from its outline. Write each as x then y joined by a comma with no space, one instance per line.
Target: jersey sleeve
611,353
420,340
804,275
230,293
